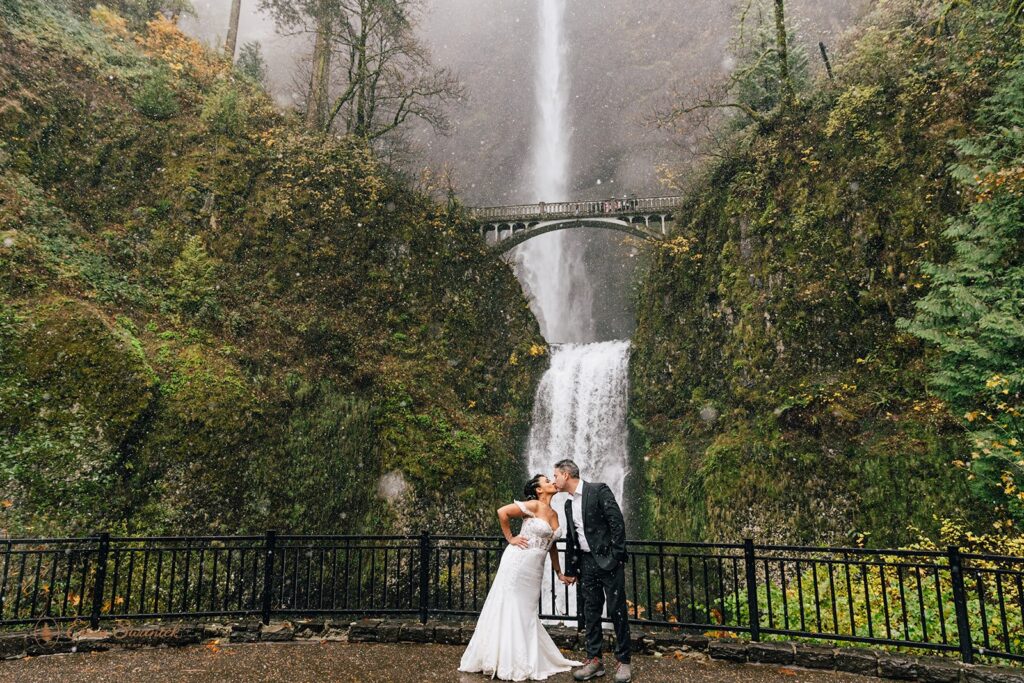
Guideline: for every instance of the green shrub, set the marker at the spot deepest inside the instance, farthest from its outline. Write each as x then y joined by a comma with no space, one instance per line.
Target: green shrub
156,98
225,110
195,280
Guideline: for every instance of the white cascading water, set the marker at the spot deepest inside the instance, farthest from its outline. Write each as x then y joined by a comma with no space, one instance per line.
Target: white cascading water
552,273
580,407
579,412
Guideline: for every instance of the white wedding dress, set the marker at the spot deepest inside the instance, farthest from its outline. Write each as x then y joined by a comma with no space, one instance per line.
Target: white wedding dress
509,641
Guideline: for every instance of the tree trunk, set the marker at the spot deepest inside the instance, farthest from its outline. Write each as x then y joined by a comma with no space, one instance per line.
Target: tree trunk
361,126
232,37
788,96
316,106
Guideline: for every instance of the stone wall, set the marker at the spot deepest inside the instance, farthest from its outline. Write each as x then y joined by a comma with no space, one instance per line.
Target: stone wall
50,638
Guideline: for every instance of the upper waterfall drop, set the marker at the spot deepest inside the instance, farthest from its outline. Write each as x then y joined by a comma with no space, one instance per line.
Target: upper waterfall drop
551,271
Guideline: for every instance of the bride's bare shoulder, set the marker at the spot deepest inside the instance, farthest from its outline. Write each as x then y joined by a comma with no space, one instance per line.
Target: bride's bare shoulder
533,506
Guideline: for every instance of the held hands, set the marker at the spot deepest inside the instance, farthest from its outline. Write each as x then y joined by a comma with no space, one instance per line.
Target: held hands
567,580
519,542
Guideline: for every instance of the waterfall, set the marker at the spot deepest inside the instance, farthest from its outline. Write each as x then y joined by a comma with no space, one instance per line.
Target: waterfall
580,407
579,412
551,271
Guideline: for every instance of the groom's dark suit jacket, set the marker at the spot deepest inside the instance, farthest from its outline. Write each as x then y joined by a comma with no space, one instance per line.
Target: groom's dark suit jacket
602,525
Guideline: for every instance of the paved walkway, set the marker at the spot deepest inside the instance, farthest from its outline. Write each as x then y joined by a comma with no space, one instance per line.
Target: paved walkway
366,663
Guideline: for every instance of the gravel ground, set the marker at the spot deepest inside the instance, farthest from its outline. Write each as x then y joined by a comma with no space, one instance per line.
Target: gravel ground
364,662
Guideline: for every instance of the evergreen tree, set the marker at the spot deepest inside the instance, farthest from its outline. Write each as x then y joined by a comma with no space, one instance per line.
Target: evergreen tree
763,79
251,63
974,312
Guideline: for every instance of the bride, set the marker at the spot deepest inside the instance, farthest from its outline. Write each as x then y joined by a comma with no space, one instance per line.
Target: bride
509,641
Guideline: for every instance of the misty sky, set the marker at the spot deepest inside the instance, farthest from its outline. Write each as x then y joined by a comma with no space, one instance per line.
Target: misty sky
625,58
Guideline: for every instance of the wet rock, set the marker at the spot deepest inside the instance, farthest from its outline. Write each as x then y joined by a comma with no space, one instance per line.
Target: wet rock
244,637
277,633
815,657
466,632
417,633
993,674
565,638
311,625
246,626
335,635
729,650
899,667
857,661
937,671
364,631
388,632
60,645
771,653
641,643
447,634
216,630
696,642
666,642
12,646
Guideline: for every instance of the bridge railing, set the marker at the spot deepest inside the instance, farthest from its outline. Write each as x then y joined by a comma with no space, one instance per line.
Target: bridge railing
944,601
547,210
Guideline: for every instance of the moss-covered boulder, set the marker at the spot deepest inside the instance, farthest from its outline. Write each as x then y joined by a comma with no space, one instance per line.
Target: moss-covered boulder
83,361
75,394
194,463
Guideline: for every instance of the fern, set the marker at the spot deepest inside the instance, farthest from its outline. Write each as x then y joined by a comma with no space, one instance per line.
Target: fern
975,308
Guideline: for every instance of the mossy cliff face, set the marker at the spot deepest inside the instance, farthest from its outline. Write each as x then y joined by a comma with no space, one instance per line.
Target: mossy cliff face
772,395
229,323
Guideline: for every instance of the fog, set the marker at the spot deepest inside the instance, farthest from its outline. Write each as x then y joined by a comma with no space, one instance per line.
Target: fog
624,60
626,57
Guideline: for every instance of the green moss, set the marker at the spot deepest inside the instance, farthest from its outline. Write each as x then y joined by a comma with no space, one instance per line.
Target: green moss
75,394
298,304
75,356
772,391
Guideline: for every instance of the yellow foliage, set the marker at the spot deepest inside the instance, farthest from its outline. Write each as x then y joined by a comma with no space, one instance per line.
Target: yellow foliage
680,246
185,56
109,20
953,532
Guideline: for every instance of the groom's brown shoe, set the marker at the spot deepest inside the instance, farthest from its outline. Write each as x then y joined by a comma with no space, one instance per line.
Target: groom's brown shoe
591,669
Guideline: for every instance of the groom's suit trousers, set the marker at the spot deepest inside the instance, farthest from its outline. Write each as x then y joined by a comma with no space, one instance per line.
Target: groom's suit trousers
595,586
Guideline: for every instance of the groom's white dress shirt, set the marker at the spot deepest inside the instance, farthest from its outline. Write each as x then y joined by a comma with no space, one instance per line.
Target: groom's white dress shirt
577,517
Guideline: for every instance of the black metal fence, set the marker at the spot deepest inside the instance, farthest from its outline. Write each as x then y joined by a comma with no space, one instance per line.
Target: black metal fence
954,602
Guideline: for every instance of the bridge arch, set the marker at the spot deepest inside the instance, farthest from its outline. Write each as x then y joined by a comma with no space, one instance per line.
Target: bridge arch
646,218
523,231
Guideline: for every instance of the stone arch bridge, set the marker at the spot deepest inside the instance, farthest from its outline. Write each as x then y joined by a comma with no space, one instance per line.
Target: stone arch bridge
505,227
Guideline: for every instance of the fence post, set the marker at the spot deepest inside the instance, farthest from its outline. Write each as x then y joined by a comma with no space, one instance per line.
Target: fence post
424,575
753,611
100,579
963,624
270,544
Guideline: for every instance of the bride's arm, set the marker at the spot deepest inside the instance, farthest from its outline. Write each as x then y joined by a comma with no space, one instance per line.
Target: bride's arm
556,565
505,512
553,551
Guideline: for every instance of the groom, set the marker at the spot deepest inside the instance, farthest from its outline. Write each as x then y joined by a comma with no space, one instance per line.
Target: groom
595,554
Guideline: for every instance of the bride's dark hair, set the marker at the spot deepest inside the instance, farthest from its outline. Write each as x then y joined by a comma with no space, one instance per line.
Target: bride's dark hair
530,490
